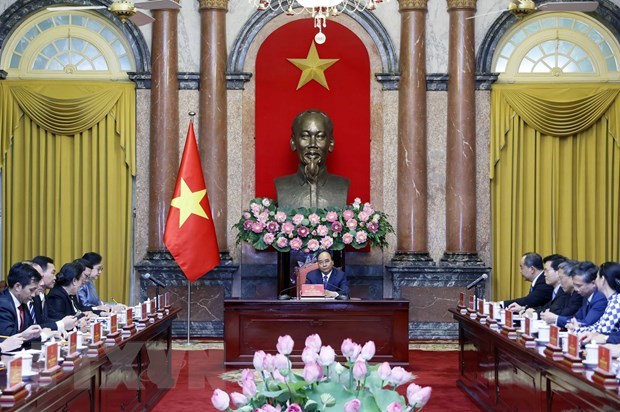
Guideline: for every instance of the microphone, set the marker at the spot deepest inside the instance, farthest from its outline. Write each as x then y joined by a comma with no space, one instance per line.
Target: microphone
482,277
285,296
341,296
147,276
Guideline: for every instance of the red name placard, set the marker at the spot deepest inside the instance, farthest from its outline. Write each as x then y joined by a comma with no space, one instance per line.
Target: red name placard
14,372
143,312
51,355
508,319
491,310
481,306
152,308
528,325
604,359
129,317
472,303
95,332
311,290
462,299
554,332
573,346
113,323
72,342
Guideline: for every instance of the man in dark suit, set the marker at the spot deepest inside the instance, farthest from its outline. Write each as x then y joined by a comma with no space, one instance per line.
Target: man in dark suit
594,302
332,278
48,275
552,278
540,293
573,301
23,281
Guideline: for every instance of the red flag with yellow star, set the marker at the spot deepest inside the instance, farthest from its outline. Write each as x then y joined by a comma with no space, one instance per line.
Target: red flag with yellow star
190,234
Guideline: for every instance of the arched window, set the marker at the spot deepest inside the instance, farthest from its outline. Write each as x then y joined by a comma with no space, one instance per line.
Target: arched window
563,46
69,45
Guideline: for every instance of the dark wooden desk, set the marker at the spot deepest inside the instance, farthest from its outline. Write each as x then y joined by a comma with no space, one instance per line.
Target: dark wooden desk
502,375
131,376
252,325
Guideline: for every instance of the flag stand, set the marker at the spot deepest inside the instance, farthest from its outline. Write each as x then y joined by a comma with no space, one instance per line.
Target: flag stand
189,311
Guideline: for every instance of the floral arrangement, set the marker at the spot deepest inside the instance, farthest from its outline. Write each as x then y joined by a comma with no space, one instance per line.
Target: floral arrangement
325,385
264,225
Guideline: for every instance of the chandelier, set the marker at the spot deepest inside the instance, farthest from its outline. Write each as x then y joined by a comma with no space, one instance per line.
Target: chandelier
320,10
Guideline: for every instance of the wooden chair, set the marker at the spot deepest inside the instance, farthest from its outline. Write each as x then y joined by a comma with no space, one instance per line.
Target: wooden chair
302,272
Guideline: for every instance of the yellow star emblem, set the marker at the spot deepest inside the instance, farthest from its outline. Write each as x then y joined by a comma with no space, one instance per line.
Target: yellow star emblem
312,68
188,203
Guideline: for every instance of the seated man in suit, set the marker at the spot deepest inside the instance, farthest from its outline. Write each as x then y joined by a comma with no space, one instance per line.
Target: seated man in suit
552,278
332,278
48,275
23,282
531,269
594,302
574,300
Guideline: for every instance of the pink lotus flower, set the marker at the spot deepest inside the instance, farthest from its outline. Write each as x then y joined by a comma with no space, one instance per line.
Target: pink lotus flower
322,230
287,228
247,374
280,217
347,238
326,242
257,227
282,242
246,215
384,371
268,363
258,360
279,377
347,348
313,245
268,238
272,227
312,372
400,376
361,237
285,345
417,396
247,225
352,224
314,219
281,362
220,400
354,405
331,216
303,231
373,227
298,218
368,208
249,388
268,408
314,342
368,351
238,399
394,407
266,202
347,214
359,369
336,227
296,243
294,408
363,216
263,217
309,355
327,356
255,208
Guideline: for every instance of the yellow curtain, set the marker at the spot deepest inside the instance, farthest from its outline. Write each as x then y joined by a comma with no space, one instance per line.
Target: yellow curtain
555,176
68,157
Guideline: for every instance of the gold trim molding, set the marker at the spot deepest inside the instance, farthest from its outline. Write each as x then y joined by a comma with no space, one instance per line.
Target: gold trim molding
412,5
213,4
461,4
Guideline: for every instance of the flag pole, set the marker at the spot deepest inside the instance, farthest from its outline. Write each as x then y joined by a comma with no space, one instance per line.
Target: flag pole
189,301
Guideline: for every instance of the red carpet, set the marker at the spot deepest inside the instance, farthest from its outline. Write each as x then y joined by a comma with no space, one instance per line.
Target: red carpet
197,375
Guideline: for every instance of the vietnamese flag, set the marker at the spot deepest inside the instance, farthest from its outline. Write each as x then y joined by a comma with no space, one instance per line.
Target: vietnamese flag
190,234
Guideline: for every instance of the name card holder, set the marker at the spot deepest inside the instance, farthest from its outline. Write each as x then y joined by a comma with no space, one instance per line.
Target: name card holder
471,307
482,318
51,370
129,328
491,322
602,374
72,358
461,304
526,337
571,358
553,350
96,347
508,329
142,317
167,302
113,337
151,311
16,388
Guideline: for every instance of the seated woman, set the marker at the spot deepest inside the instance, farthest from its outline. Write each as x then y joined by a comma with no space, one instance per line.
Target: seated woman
608,282
61,301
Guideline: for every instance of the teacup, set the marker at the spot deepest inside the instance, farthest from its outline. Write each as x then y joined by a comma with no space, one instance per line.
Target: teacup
543,333
592,353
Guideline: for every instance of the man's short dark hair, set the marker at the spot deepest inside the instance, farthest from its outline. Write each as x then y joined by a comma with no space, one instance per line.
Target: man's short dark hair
22,273
531,259
555,260
43,261
586,269
93,257
568,266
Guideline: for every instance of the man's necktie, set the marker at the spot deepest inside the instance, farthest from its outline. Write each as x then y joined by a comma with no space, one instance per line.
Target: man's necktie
31,310
21,318
553,296
587,306
325,281
531,288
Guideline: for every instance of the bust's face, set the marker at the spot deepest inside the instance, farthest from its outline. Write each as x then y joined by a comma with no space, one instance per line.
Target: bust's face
311,139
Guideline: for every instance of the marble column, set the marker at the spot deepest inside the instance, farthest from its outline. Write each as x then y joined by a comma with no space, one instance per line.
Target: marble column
213,111
412,245
164,132
461,134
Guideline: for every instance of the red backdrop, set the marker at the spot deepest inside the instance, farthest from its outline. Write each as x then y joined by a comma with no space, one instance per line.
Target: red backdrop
347,102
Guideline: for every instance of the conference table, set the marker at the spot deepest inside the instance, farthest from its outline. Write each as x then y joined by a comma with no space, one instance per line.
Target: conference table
252,325
130,376
501,374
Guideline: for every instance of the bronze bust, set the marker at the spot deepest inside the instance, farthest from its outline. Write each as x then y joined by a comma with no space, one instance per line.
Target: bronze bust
312,186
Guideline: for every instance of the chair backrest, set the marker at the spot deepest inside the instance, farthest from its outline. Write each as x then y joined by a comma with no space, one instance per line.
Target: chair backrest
302,273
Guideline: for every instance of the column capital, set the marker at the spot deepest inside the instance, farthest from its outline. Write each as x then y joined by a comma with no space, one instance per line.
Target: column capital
461,4
412,5
213,4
